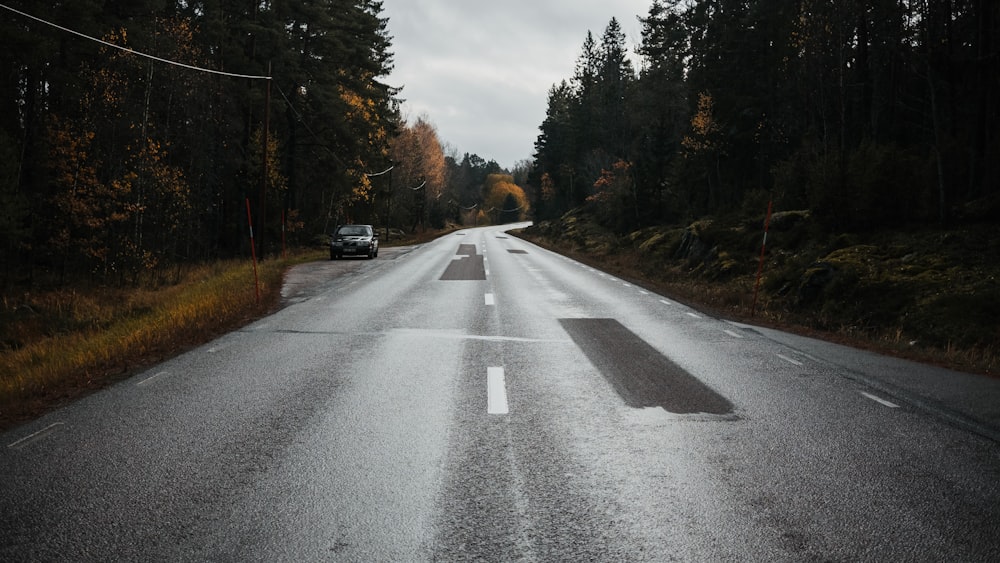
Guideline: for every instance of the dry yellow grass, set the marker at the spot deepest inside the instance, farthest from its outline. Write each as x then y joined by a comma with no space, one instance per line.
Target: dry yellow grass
68,342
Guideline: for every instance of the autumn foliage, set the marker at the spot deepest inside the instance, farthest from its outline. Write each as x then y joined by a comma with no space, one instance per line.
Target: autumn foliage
505,202
118,167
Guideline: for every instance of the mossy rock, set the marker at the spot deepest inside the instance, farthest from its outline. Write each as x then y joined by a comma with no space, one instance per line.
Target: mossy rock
726,266
650,244
786,220
637,237
814,282
853,257
655,245
601,248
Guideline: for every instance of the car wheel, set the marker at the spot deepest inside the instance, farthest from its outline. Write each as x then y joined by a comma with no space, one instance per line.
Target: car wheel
332,256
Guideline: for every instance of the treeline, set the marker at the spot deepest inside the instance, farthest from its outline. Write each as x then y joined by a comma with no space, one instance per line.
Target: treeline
113,165
868,112
432,189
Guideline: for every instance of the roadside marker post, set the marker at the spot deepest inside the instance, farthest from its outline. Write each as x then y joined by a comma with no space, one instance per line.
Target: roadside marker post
760,265
284,250
253,253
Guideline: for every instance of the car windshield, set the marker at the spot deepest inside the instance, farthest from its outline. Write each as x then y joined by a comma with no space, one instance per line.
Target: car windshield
353,231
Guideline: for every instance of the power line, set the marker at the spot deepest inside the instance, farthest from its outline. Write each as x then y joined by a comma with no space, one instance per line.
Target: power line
302,120
189,67
389,169
132,51
474,205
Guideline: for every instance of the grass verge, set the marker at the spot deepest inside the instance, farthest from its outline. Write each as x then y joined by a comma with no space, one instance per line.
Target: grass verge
876,312
61,345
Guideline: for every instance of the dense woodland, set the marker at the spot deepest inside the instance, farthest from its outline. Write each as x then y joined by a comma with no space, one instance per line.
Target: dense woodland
870,113
115,167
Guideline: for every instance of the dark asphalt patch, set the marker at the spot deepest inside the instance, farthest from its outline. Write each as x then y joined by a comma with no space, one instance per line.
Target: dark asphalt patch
516,251
468,268
639,373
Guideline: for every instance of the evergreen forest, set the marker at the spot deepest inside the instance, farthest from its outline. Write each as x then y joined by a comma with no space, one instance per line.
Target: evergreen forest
143,134
872,114
132,135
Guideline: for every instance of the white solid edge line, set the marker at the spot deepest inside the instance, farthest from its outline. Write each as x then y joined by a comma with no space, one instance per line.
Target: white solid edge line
496,391
732,333
880,400
152,377
38,434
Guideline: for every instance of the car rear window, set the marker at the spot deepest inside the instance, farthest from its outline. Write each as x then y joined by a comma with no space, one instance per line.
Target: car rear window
353,231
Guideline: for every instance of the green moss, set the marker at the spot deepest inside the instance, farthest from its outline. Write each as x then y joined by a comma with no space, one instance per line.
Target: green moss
960,319
937,288
649,245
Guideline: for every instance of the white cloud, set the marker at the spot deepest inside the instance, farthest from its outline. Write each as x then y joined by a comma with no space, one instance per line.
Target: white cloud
481,70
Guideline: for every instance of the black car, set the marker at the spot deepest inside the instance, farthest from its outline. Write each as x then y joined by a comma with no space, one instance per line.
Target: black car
353,240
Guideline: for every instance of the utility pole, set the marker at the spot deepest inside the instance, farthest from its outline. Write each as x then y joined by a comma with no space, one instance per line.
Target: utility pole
264,171
388,202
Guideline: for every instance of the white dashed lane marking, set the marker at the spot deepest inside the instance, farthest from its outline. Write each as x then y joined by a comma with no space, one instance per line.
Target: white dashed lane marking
790,360
496,391
880,400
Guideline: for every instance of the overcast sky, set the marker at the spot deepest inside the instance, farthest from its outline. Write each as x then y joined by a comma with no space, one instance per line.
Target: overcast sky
480,70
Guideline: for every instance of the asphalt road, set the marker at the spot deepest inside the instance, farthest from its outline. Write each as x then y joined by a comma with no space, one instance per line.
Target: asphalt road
479,398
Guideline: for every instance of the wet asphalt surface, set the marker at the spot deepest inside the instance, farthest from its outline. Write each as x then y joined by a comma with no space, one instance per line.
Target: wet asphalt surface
478,398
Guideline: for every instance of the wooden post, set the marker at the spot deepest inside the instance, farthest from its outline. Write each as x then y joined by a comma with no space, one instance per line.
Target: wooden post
760,265
263,181
253,253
